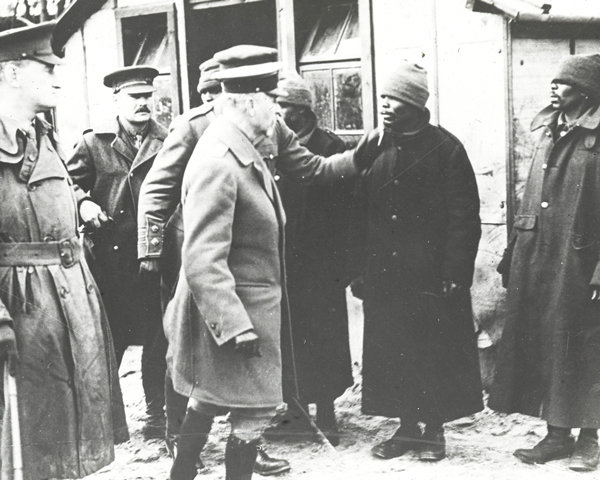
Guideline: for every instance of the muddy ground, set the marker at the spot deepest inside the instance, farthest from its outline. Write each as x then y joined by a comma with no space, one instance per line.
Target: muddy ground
479,447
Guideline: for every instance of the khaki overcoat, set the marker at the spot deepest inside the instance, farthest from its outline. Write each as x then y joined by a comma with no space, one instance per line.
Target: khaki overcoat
71,409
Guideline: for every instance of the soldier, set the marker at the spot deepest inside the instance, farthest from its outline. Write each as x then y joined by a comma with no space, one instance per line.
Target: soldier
53,329
316,238
111,163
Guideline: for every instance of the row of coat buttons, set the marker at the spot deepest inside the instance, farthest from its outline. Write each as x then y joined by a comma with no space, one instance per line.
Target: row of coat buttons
214,326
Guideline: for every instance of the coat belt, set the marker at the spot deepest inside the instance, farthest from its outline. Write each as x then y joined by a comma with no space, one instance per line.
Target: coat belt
66,252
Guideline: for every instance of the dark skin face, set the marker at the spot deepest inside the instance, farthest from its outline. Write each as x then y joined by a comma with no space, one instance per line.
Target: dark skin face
293,115
569,99
398,115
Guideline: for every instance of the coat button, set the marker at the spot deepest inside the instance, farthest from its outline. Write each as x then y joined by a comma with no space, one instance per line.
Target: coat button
394,218
399,149
154,242
116,247
396,182
48,238
544,204
544,166
217,334
563,133
277,178
31,187
63,292
394,254
213,325
154,228
90,288
548,134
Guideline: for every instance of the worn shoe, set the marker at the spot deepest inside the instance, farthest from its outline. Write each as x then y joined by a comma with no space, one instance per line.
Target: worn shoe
265,465
552,447
586,455
403,441
433,445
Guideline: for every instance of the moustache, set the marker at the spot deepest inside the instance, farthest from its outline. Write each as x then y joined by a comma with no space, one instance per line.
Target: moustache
143,110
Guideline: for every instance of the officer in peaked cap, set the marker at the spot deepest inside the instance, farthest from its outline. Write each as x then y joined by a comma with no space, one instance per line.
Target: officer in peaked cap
71,411
111,163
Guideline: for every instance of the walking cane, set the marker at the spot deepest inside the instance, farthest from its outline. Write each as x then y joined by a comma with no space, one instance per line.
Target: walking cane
11,403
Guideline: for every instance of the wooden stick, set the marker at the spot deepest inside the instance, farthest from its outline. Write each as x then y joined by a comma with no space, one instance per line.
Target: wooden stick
11,402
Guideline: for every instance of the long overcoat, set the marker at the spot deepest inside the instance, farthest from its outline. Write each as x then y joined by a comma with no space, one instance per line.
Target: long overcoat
549,352
104,165
67,378
316,244
421,227
232,275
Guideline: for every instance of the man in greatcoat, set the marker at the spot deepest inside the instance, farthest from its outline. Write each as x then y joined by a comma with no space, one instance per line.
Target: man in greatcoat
53,329
419,220
549,352
111,163
316,241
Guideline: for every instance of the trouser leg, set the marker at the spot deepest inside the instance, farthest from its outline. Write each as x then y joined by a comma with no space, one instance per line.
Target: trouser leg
176,405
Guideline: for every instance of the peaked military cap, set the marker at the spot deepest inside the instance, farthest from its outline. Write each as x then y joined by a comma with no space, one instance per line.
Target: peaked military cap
71,20
29,43
248,69
135,79
207,69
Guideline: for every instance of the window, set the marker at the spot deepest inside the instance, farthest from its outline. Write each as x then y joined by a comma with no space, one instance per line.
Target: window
330,61
148,40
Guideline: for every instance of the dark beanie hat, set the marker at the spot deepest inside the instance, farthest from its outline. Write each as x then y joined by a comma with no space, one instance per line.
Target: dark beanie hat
206,71
407,82
295,90
582,72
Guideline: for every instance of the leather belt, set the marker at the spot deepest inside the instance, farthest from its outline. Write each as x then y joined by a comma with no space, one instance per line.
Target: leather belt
66,252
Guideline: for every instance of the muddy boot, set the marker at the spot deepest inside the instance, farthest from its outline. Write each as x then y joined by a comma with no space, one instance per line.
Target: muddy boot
327,422
433,446
265,465
240,457
193,437
556,445
407,437
587,452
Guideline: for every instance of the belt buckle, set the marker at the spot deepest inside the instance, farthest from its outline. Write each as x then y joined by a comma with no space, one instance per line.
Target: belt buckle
67,253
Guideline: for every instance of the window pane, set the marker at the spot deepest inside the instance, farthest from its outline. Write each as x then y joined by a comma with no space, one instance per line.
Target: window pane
329,31
350,44
145,41
320,84
154,48
348,99
163,104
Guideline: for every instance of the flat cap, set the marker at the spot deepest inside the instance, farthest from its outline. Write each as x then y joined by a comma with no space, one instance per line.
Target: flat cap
135,79
248,69
207,69
293,89
32,42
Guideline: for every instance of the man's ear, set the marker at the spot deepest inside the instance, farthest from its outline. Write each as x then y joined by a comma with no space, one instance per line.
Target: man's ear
10,74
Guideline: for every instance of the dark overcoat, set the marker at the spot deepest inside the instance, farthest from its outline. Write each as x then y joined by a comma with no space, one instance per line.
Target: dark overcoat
549,353
421,226
67,378
316,245
232,275
105,165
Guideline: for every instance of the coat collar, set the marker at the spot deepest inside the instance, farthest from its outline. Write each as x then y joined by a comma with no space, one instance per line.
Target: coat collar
236,140
590,120
150,147
9,146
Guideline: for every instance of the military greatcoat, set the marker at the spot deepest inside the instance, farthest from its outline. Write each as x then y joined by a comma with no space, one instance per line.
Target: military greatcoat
549,352
67,380
421,226
105,165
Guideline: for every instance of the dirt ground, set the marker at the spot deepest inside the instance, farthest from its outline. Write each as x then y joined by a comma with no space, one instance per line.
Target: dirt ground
479,447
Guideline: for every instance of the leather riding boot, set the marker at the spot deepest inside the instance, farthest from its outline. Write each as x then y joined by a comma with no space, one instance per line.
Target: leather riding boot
265,465
239,458
433,447
407,437
557,444
587,452
327,422
194,434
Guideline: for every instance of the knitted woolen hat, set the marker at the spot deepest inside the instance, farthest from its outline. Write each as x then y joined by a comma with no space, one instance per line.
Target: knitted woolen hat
407,82
294,90
206,70
582,72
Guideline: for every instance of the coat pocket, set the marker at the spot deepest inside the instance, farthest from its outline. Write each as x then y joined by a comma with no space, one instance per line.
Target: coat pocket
525,222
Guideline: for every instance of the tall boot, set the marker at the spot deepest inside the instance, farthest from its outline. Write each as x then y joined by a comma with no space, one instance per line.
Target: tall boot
193,437
239,458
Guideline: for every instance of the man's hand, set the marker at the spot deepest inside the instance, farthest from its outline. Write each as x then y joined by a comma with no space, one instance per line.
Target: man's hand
595,293
8,348
247,344
150,266
368,148
450,288
92,215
